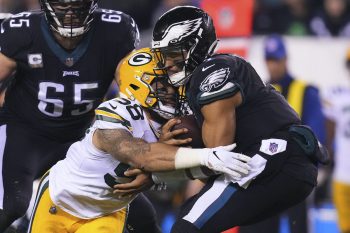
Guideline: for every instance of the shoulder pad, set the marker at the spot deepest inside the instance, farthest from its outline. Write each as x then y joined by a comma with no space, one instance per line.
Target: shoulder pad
214,80
18,31
114,112
21,21
112,18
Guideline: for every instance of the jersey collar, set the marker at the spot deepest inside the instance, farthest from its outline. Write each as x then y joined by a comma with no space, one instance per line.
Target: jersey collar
67,58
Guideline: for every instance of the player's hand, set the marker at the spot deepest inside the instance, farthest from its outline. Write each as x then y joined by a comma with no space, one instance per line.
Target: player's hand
168,137
221,159
142,182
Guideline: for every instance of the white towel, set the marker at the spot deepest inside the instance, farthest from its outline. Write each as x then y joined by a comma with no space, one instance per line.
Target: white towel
257,164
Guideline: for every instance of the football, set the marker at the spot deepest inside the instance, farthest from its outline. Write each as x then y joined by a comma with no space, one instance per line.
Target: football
194,132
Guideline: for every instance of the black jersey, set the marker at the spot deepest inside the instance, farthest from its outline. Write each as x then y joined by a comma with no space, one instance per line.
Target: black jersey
55,90
263,111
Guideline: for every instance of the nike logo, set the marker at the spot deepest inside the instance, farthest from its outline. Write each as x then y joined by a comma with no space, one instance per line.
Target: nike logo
214,152
113,106
205,68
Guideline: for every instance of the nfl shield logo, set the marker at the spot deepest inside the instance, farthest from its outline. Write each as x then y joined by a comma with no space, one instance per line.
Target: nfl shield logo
273,147
69,61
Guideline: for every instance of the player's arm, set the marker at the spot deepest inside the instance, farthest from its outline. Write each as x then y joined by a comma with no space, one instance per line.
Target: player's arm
219,123
160,179
14,38
7,67
161,157
135,151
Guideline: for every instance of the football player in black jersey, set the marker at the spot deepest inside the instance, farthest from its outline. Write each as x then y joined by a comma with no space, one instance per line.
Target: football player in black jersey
63,59
232,104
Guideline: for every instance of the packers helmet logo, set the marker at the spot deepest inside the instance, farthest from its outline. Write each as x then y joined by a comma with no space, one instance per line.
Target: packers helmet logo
140,59
215,79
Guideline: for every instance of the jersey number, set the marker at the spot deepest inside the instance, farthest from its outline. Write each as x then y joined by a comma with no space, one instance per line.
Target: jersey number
119,172
58,104
135,111
111,16
17,23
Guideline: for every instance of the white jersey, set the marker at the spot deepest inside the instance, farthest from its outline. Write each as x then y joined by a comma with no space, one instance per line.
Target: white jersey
337,108
81,184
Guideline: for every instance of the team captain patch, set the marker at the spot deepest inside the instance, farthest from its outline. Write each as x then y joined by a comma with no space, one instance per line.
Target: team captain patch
273,146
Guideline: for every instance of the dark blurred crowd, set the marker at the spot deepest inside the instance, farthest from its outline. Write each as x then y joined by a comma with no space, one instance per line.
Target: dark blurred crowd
302,17
290,17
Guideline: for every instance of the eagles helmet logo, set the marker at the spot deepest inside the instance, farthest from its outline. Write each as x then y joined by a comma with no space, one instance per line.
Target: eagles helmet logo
177,31
140,59
215,79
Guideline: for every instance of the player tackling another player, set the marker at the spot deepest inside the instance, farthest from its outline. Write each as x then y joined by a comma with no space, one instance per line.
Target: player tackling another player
232,104
76,195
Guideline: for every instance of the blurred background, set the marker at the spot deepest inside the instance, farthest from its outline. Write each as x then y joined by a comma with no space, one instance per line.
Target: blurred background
316,31
311,40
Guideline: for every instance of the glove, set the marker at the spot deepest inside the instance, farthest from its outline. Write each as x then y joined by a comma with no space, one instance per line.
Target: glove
220,159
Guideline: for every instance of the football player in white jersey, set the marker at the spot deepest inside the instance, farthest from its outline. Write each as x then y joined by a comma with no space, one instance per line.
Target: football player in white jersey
76,195
337,110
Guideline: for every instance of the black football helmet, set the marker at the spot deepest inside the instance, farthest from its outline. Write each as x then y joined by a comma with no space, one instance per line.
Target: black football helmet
70,18
184,30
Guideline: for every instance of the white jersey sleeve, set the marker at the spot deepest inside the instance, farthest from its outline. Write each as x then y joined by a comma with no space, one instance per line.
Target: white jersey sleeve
115,114
121,113
82,183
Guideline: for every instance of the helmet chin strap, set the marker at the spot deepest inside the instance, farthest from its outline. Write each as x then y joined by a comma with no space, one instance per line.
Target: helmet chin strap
178,79
181,78
213,47
165,111
70,32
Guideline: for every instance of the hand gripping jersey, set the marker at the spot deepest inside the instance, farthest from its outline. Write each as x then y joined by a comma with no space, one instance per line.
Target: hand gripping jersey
57,90
337,108
81,184
263,111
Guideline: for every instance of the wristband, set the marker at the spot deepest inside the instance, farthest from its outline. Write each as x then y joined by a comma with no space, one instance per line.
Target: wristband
187,157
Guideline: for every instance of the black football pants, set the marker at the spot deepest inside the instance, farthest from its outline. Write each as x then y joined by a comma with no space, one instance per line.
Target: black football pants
287,179
216,209
24,157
